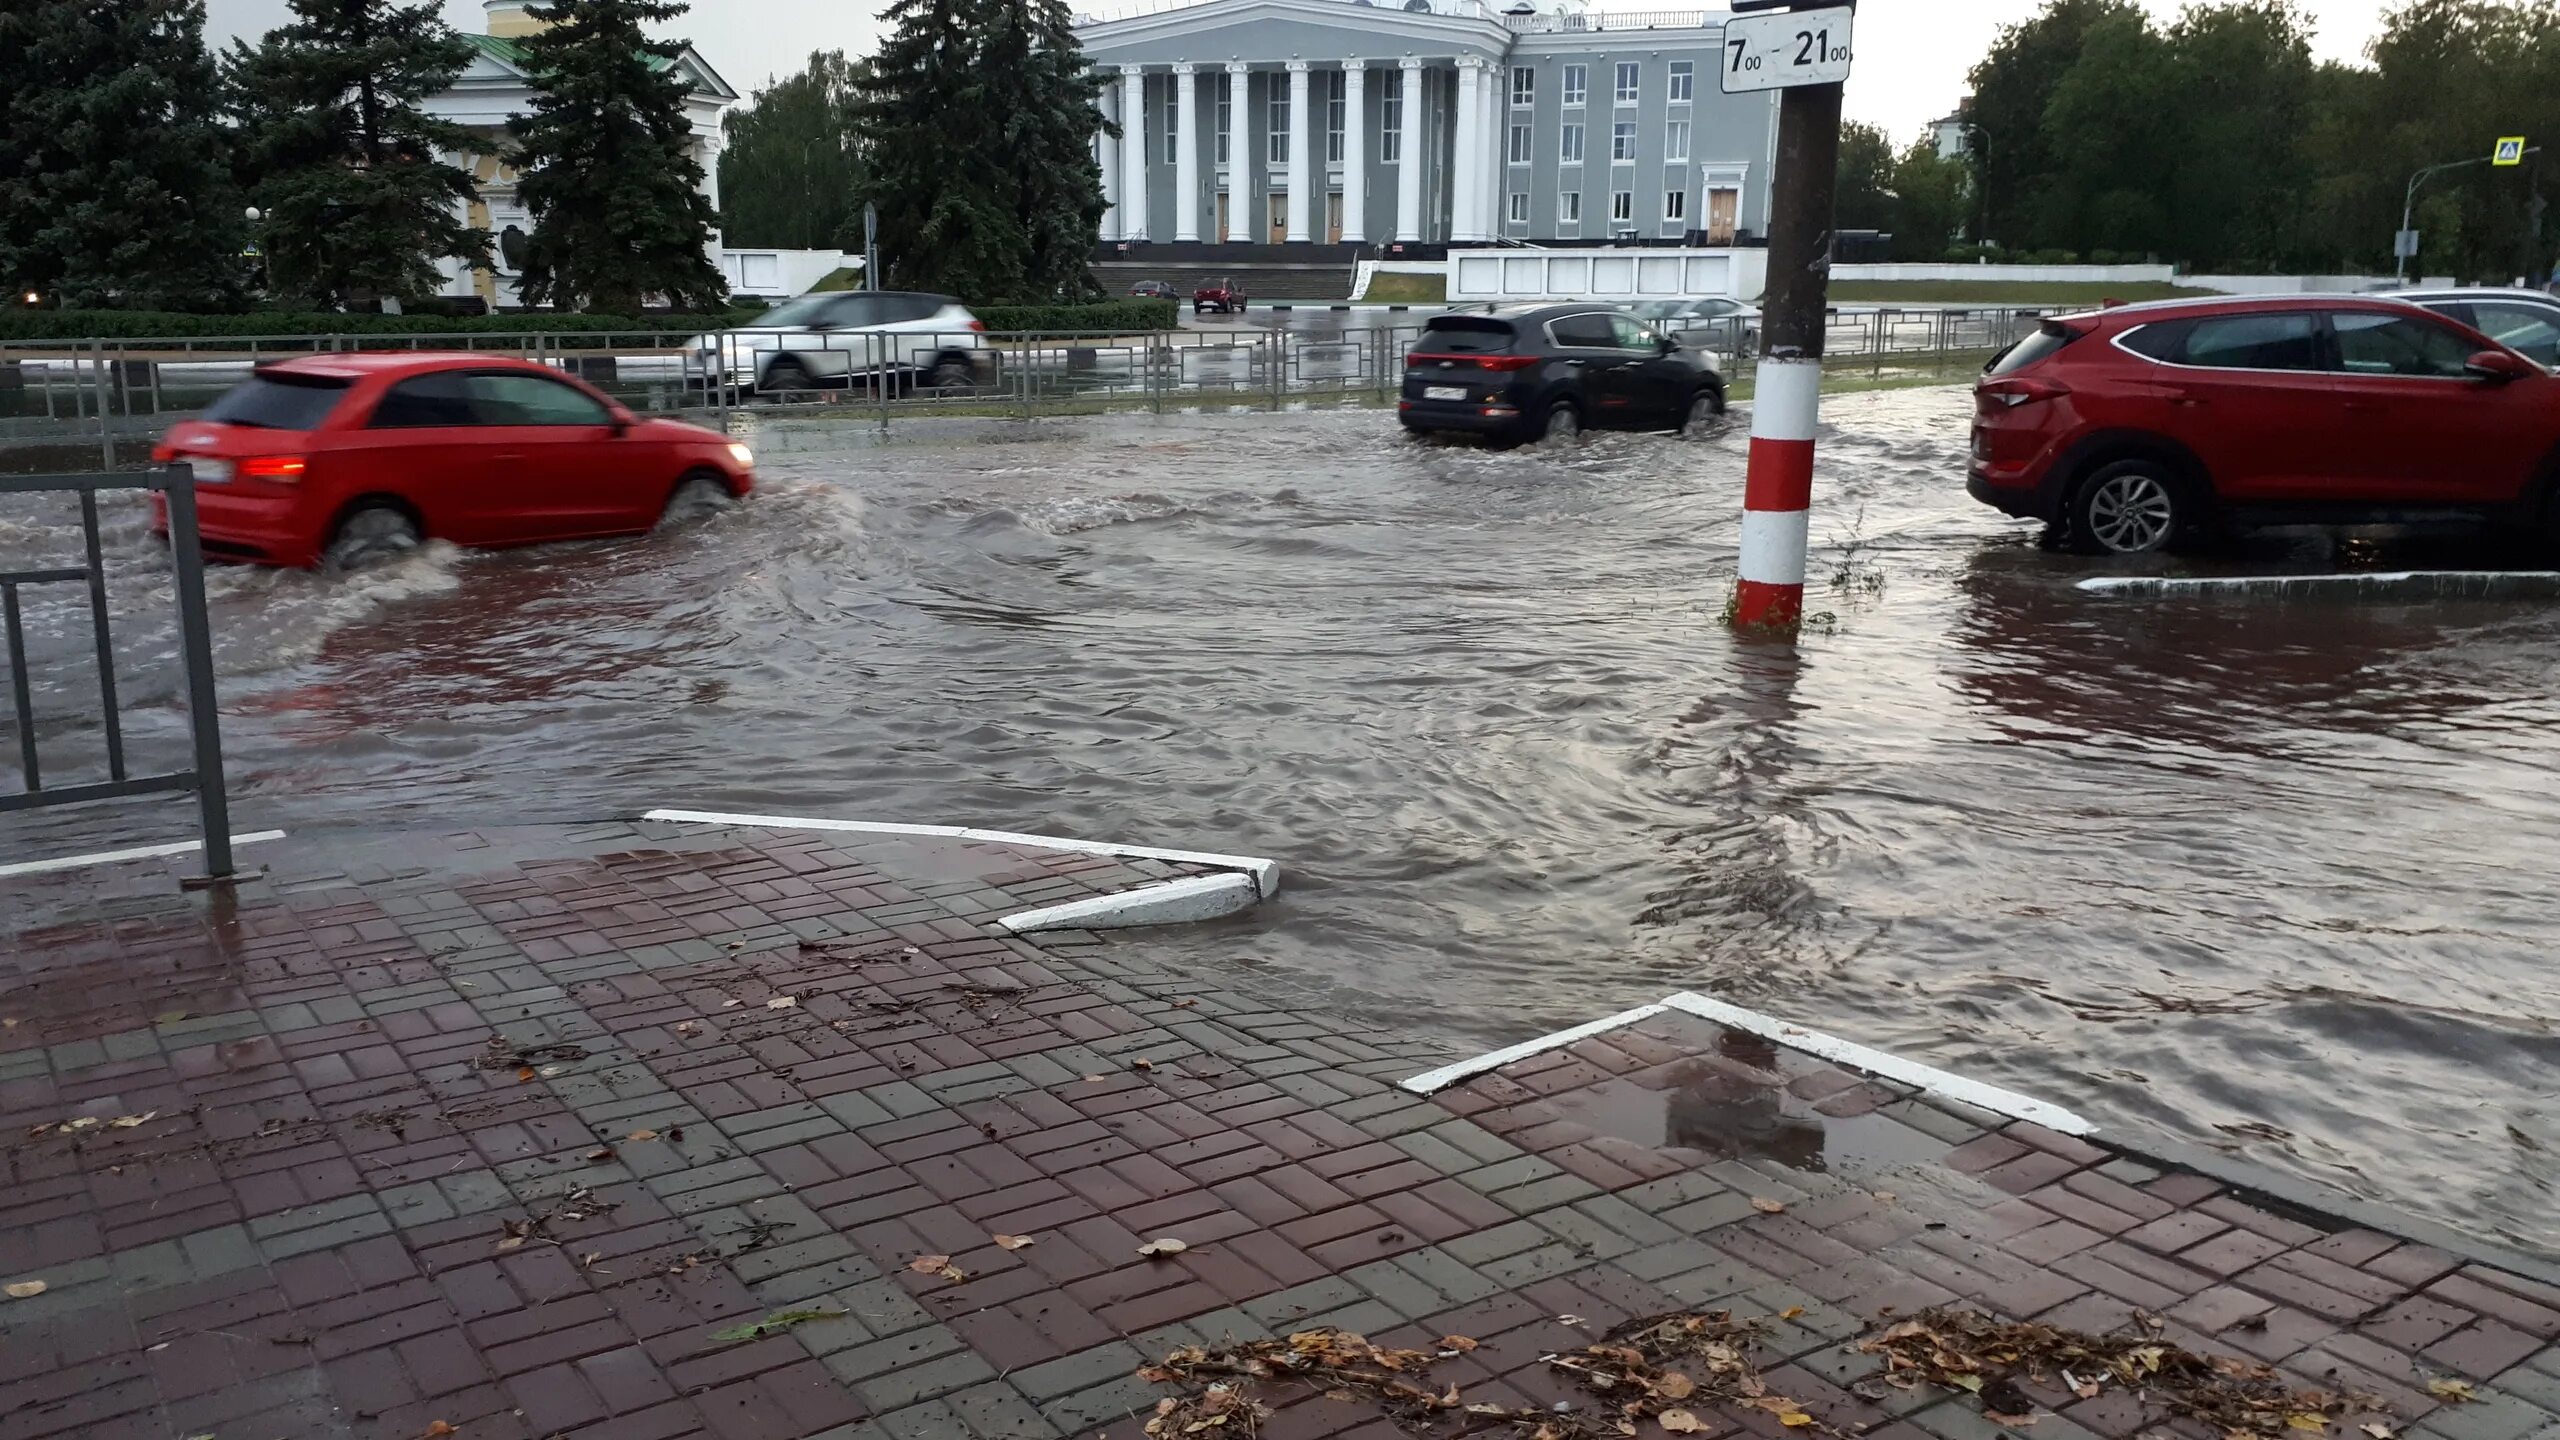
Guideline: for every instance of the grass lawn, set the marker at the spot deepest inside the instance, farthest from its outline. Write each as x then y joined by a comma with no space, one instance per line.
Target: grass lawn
2000,292
1391,288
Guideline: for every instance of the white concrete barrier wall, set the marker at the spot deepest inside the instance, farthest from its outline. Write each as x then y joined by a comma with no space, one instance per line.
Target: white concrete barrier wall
1606,274
780,272
2013,274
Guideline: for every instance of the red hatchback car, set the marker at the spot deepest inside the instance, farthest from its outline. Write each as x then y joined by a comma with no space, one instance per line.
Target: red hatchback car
2135,428
337,459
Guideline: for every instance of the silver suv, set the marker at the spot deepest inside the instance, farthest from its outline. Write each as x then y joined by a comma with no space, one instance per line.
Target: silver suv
2525,321
850,338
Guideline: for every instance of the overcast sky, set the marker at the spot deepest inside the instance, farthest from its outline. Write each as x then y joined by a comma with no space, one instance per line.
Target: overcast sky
1913,54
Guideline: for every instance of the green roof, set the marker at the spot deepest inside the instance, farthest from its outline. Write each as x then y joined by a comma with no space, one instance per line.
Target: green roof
505,49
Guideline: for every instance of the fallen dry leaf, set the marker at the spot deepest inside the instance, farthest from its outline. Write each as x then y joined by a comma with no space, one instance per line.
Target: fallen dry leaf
2308,1420
1162,1245
1142,1064
1795,1418
524,1074
1456,1342
1767,1206
511,1242
782,1002
641,1135
2457,1391
1184,1004
169,1017
1791,1312
1681,1422
1093,1079
1011,1242
438,1427
686,1027
2377,1430
1675,1386
591,1257
127,1122
1575,1321
601,1152
26,1289
1996,1417
79,1123
929,1264
549,1070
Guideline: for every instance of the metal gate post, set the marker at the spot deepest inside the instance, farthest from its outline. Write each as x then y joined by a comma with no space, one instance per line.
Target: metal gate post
195,636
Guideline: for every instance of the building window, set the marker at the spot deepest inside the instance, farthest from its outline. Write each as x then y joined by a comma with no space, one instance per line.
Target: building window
1333,113
1571,154
1524,85
1675,205
1577,84
1519,211
1519,153
1622,140
1275,146
1172,127
1391,118
1226,113
1684,80
1630,82
1568,207
1622,207
1675,142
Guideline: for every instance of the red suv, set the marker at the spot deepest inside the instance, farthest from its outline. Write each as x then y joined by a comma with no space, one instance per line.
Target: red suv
2135,428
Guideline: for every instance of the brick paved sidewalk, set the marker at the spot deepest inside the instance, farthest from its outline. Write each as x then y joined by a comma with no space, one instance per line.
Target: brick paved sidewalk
515,1131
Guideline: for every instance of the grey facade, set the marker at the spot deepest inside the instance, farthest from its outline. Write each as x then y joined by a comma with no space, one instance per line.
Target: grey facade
1427,152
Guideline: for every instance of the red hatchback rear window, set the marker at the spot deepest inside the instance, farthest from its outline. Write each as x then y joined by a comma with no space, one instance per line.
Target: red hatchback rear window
279,400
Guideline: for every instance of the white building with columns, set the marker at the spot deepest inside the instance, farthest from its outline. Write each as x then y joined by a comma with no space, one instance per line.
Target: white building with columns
1289,122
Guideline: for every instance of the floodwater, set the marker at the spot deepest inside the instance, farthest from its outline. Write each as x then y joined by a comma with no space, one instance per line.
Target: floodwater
2271,875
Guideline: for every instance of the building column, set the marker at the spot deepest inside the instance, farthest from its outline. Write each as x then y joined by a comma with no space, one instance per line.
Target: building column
1409,151
1495,164
1241,224
1355,152
1303,175
1133,152
1186,154
1107,152
1466,178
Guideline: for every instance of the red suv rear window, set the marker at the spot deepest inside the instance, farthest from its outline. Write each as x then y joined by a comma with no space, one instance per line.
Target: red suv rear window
2050,336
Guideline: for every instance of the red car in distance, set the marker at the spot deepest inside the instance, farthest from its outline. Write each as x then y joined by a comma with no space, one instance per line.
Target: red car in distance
2136,428
341,459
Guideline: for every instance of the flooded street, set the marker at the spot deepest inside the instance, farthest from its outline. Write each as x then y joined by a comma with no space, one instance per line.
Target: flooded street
2260,874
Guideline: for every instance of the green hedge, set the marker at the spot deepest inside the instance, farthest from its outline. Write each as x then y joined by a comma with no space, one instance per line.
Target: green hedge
1102,315
155,325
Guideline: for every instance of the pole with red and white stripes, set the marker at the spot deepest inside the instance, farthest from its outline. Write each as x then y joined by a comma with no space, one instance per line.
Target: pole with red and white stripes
1777,493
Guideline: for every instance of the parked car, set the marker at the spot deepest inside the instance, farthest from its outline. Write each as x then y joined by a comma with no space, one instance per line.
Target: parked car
2141,427
839,338
1153,290
1713,322
343,458
1552,371
2525,321
1223,296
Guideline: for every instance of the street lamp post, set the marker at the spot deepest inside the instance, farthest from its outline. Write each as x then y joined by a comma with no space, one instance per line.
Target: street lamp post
2409,204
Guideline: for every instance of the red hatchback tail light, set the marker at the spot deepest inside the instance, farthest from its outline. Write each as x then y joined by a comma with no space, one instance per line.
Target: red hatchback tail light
2010,392
284,468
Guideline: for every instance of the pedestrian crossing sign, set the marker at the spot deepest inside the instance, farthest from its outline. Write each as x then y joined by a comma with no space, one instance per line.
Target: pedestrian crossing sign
2510,151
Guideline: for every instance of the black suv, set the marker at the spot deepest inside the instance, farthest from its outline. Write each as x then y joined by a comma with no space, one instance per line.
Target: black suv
1553,371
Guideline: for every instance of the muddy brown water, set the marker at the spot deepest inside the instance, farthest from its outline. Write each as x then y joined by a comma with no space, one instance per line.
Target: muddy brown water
2267,875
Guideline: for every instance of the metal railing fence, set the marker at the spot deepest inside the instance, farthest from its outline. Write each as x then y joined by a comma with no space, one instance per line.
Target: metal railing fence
195,644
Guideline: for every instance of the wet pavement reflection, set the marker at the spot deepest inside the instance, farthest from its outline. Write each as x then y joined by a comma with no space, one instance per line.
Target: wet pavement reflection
2268,874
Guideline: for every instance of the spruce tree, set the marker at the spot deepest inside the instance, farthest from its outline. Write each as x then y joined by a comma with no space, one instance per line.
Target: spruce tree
1003,87
114,183
340,152
606,166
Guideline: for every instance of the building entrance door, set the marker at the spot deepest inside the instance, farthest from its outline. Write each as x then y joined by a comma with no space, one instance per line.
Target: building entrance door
1222,217
1723,208
1277,207
1333,218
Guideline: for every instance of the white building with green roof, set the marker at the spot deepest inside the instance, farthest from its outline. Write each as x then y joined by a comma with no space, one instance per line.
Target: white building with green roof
494,88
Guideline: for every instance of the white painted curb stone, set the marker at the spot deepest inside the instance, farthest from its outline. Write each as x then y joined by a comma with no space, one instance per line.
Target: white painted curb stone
113,857
1845,1053
1177,902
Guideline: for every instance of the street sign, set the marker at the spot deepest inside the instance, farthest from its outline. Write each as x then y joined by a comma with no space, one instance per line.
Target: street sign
2404,244
2510,151
1785,49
